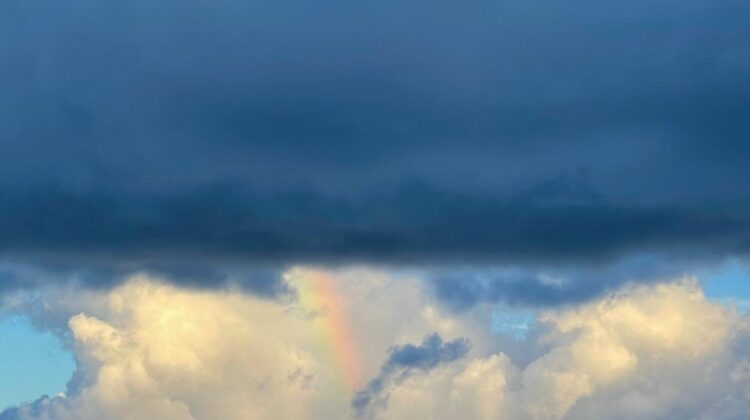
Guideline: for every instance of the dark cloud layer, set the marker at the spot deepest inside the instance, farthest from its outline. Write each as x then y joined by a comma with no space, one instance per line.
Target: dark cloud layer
162,134
413,223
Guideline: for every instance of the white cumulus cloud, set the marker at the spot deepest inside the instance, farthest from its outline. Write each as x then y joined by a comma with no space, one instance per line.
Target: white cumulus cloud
149,350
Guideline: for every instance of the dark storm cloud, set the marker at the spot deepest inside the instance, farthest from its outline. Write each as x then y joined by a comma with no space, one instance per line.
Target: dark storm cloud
147,134
23,273
414,223
402,360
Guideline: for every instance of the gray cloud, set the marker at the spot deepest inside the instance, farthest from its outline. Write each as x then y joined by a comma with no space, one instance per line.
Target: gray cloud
32,409
404,359
461,289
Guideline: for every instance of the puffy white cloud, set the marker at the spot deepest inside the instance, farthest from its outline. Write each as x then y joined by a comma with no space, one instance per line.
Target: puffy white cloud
652,352
151,350
161,352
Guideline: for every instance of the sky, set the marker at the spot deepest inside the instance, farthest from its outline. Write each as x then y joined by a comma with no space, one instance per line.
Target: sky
22,347
485,209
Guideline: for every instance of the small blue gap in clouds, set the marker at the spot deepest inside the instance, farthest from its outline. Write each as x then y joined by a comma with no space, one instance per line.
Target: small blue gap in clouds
729,284
512,322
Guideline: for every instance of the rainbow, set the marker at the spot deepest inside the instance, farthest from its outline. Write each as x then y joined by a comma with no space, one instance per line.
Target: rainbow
318,294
